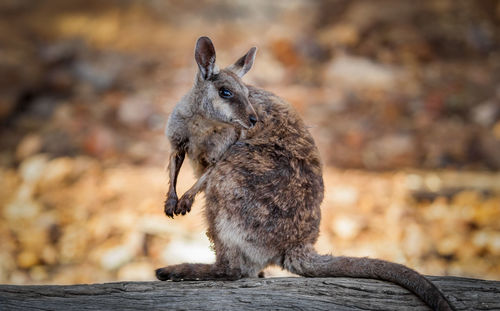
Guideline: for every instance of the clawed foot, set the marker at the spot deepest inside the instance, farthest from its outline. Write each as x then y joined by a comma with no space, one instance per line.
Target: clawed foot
184,205
169,273
170,205
178,207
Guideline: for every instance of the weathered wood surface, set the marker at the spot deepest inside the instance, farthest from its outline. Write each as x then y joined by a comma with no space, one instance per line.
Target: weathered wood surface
249,294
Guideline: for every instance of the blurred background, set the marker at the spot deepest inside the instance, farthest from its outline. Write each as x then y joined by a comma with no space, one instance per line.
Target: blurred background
402,98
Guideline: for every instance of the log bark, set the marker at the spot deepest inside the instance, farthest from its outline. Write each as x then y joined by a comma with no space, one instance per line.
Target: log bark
248,294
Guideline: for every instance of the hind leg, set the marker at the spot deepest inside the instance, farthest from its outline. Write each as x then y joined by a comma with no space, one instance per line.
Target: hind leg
230,264
226,267
191,272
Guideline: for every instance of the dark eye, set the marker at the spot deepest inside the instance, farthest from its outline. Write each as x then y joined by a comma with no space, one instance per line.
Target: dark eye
225,93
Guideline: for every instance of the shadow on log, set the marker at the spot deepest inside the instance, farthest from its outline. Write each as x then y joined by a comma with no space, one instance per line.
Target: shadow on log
248,294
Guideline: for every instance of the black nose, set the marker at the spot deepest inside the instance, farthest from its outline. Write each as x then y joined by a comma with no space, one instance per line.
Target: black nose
253,119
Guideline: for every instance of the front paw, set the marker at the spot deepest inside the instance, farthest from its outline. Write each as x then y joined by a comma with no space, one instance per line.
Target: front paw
184,205
170,205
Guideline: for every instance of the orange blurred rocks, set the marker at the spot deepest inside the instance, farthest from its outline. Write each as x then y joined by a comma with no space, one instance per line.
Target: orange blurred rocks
27,259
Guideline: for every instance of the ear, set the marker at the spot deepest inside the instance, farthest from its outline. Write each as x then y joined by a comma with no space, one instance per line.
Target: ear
204,54
244,64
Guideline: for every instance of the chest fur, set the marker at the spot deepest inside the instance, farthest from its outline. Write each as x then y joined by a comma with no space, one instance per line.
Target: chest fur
207,142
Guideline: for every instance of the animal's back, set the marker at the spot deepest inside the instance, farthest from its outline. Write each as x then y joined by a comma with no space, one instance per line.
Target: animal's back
268,187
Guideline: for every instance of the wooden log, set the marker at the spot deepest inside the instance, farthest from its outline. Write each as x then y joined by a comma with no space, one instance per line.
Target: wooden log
248,294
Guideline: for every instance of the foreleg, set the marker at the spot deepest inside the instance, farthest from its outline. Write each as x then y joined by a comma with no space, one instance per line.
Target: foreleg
175,163
187,199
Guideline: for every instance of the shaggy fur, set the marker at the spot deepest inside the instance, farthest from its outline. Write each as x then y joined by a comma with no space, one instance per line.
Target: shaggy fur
263,184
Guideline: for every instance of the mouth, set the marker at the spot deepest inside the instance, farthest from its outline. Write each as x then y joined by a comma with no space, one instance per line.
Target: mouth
246,127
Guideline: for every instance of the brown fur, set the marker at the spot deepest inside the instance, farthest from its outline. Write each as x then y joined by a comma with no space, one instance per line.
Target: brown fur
263,193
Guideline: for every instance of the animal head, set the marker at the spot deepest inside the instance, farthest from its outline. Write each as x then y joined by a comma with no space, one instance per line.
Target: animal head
220,93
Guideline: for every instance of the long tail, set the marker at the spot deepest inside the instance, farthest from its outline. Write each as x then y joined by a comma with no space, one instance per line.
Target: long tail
306,262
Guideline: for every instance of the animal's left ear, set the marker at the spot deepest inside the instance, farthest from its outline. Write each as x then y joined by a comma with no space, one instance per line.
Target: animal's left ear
244,64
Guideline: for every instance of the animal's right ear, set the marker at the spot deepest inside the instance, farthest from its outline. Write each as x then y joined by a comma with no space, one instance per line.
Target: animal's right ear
204,54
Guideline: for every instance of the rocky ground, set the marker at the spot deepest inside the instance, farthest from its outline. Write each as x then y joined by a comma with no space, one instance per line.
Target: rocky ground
403,102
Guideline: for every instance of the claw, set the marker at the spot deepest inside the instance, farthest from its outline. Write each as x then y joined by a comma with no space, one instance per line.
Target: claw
164,274
184,205
159,275
170,205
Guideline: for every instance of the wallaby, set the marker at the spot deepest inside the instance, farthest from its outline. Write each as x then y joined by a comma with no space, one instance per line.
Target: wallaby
261,174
